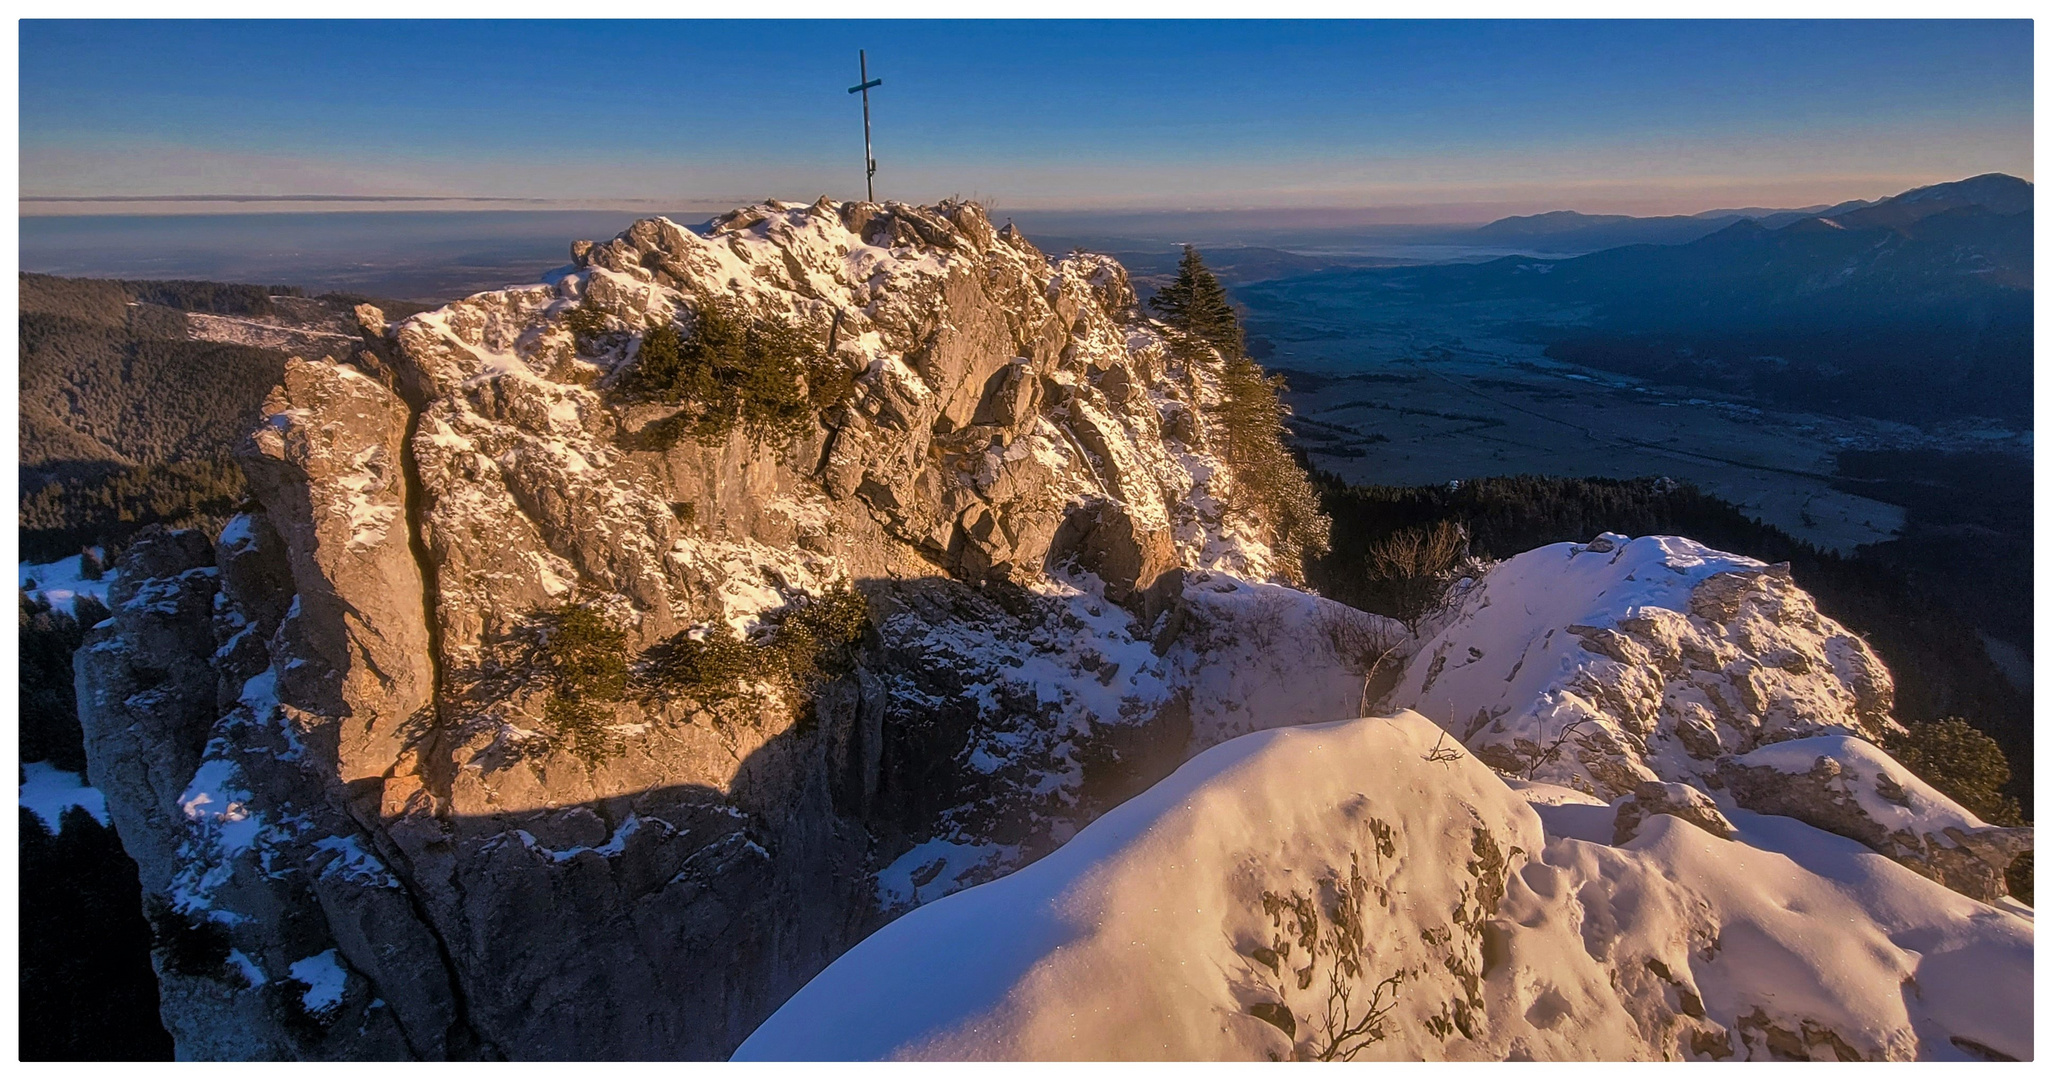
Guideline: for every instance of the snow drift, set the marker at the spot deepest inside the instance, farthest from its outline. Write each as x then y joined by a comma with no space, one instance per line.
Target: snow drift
1363,889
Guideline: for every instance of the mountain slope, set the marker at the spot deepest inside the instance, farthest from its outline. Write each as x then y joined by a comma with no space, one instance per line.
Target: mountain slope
603,658
1571,232
1997,193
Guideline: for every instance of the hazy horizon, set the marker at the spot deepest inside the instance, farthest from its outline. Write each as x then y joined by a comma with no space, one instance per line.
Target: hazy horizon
1422,214
1397,123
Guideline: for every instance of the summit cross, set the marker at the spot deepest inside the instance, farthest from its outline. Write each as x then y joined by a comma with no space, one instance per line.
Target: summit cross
868,157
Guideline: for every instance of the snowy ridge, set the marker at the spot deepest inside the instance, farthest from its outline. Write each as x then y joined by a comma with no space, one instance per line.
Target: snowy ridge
1225,913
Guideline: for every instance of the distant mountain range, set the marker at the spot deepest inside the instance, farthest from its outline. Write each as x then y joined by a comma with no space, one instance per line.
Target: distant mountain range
1568,231
1917,306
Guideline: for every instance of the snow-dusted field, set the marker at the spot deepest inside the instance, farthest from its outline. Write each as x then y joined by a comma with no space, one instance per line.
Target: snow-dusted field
51,792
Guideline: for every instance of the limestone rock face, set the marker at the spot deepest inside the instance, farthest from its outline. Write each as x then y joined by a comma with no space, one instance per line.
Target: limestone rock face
326,738
1604,665
1850,787
147,692
326,464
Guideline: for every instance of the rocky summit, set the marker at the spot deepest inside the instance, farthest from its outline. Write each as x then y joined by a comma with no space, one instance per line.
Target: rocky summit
570,691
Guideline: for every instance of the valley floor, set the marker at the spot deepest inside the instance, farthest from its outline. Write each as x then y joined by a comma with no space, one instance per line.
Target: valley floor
1503,409
1409,390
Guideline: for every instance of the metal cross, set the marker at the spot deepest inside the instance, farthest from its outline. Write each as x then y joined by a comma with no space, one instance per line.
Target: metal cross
868,157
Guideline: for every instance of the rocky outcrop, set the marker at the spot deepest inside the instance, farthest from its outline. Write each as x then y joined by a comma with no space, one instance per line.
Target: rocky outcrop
325,461
147,692
1850,787
367,830
1652,670
1608,664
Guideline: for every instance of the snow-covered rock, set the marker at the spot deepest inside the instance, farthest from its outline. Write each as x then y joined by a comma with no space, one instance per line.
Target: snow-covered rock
1851,787
1675,800
1358,889
1606,664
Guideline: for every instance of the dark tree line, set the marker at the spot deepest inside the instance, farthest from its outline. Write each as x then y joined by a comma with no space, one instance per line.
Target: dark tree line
87,989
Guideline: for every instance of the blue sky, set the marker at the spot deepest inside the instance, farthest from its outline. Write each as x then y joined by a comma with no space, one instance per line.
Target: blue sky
1630,117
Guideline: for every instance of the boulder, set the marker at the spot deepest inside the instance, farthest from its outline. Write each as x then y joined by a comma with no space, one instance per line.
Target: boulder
1676,800
1851,787
1105,540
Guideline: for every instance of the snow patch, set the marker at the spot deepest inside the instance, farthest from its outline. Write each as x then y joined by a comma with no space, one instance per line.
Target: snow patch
251,973
62,583
324,978
51,791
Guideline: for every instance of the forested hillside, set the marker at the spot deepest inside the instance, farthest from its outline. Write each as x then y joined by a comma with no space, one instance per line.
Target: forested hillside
126,419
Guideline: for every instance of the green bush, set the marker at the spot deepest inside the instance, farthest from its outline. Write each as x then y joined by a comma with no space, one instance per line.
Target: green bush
708,669
583,652
1957,759
1266,476
587,324
583,726
1969,767
583,656
770,377
820,637
808,643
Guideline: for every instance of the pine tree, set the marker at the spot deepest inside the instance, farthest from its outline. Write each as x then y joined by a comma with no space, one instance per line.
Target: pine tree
1196,304
1959,760
1267,478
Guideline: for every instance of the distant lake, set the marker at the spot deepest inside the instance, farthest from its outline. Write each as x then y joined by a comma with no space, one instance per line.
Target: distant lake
411,255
